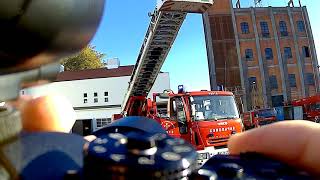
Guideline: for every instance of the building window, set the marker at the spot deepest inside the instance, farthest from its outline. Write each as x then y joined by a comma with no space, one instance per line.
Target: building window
287,53
264,29
95,100
252,81
103,122
106,93
273,82
292,80
305,51
85,96
300,26
249,54
310,79
245,28
268,53
106,99
283,28
95,94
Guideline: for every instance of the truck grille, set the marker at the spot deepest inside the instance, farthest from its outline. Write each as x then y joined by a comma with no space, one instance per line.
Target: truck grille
213,141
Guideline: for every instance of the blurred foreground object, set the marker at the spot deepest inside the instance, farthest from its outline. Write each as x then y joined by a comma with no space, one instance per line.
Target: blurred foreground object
37,32
50,113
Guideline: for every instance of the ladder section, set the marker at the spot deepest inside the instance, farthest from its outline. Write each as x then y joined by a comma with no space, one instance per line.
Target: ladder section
161,34
162,31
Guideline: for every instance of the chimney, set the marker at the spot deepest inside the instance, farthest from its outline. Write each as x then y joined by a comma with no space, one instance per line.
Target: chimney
113,63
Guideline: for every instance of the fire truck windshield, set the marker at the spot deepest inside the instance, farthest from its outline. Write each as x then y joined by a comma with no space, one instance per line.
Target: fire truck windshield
207,108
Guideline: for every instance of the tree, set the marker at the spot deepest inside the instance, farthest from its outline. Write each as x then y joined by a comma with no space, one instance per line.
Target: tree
88,58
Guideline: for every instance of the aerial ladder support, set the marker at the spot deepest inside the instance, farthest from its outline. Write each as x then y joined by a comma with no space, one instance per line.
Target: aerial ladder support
166,21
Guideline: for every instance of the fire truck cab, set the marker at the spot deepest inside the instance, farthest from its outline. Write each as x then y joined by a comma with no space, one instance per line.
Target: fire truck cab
206,119
259,117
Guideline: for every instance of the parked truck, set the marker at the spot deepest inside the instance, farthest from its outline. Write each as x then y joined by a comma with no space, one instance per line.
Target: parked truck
259,117
310,107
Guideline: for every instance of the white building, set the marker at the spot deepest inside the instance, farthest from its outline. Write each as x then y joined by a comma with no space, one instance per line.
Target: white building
95,94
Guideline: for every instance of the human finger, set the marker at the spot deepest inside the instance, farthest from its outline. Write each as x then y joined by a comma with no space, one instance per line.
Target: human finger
294,142
48,113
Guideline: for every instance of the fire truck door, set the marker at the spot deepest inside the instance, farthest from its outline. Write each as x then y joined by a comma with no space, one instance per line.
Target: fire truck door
182,119
171,124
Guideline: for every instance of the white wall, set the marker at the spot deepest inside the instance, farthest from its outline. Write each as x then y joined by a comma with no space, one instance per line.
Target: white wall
116,88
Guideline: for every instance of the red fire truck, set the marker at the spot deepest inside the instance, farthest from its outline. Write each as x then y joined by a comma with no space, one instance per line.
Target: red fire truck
310,106
206,119
259,117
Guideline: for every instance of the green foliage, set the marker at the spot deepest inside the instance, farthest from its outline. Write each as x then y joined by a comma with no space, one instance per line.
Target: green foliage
88,58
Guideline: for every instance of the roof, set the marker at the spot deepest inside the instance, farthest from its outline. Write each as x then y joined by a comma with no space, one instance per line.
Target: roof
95,73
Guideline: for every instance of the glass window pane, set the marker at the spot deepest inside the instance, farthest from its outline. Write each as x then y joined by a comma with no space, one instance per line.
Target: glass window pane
269,53
283,28
287,52
273,82
264,29
245,28
292,80
249,54
300,26
305,51
309,79
252,80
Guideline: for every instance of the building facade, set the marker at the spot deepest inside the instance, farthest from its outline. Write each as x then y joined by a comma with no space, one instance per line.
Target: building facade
265,55
95,94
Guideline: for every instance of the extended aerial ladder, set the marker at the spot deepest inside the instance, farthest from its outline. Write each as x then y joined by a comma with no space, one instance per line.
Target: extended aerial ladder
166,21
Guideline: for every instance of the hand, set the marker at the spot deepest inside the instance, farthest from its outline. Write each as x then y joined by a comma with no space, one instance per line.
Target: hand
49,113
294,142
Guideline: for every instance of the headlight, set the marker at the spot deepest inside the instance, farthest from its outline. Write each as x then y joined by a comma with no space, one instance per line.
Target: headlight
203,156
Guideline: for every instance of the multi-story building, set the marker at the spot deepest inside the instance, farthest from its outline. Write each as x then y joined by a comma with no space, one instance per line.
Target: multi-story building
95,94
267,54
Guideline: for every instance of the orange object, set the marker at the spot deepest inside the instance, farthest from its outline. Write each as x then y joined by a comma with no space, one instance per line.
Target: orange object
49,113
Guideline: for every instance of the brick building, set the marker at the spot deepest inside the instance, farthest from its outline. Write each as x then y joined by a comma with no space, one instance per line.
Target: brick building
265,54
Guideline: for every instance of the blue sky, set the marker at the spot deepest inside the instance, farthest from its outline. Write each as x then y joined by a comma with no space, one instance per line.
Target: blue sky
123,29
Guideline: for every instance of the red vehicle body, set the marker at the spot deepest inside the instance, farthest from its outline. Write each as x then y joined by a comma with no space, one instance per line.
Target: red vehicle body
310,106
259,117
206,119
